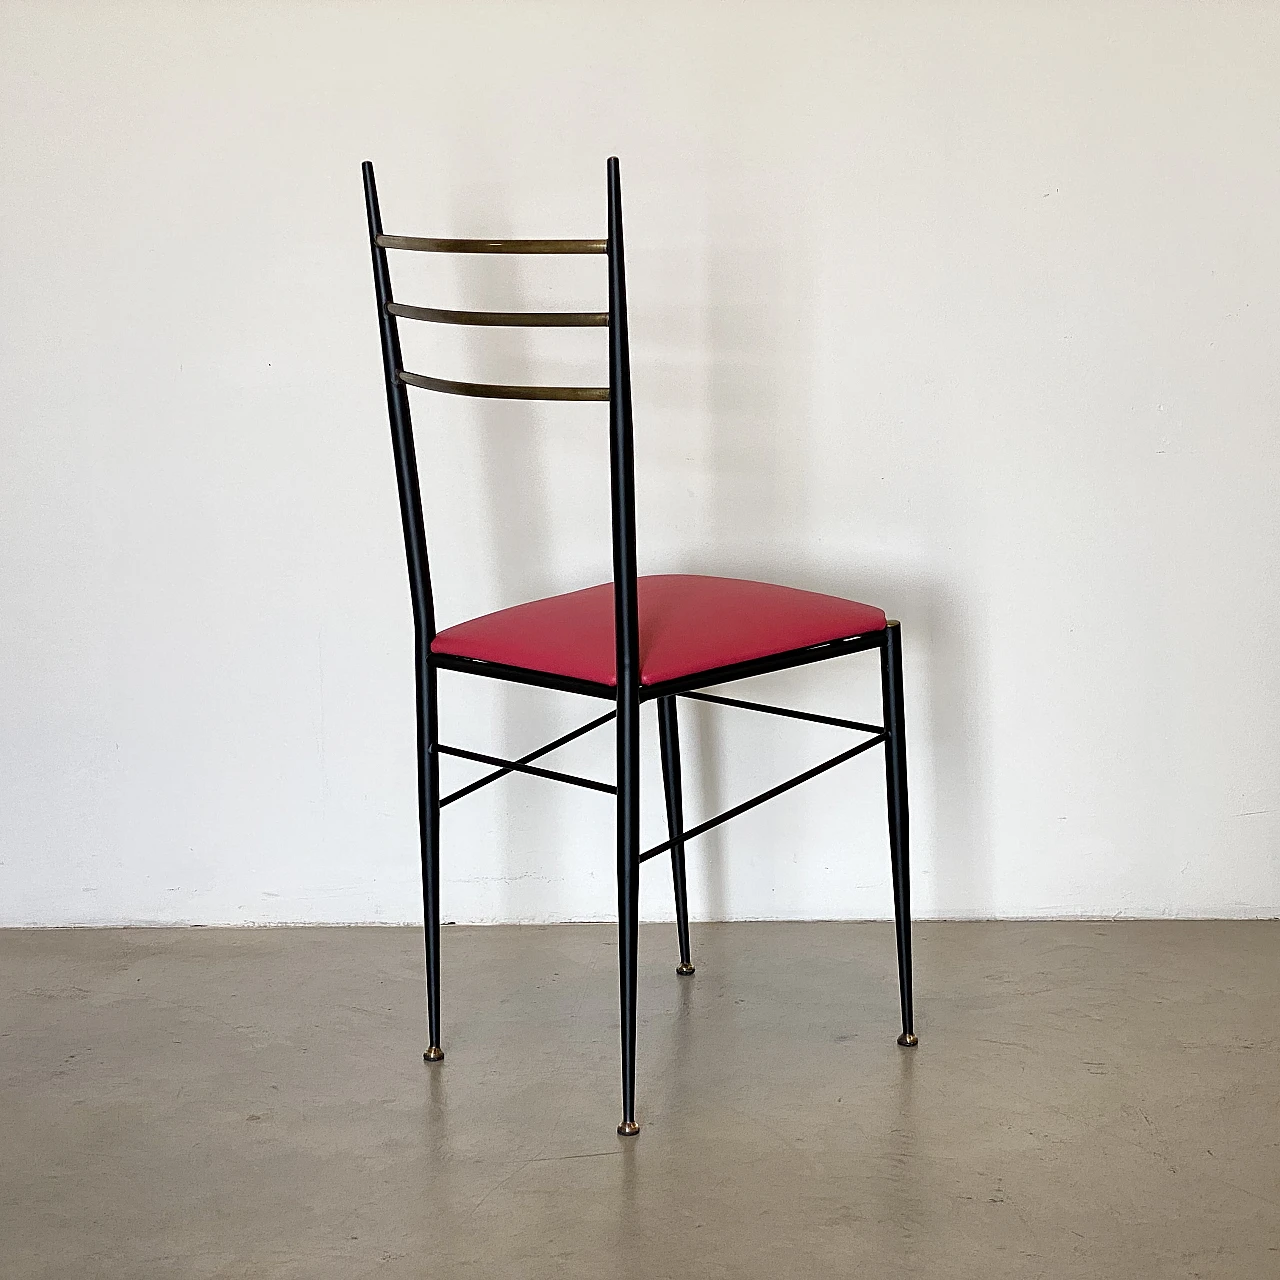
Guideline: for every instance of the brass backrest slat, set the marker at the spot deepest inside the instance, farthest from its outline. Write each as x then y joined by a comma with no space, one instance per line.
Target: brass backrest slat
430,244
493,391
515,319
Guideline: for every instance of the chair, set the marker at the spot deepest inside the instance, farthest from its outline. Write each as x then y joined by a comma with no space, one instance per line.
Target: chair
636,640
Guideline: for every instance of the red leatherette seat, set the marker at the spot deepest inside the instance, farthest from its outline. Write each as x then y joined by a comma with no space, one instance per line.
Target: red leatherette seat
688,624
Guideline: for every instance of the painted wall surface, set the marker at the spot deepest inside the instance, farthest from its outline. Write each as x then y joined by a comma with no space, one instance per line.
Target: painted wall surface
970,310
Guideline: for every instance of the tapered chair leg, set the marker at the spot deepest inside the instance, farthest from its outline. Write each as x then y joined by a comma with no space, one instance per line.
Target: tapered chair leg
628,897
895,770
429,832
669,747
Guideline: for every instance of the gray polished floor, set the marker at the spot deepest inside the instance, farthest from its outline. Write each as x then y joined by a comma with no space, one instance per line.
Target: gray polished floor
1092,1100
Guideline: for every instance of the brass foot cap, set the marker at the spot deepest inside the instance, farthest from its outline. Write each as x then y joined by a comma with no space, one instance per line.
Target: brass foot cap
907,1040
628,1129
684,970
434,1054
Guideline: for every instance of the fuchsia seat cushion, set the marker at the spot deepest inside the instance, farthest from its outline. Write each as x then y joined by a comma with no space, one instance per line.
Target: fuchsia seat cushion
688,624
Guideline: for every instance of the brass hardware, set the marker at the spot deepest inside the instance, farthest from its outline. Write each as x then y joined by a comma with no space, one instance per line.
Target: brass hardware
434,1054
520,319
907,1040
628,1129
684,970
492,391
430,244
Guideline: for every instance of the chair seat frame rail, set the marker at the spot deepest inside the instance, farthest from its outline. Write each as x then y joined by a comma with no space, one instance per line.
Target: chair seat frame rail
628,694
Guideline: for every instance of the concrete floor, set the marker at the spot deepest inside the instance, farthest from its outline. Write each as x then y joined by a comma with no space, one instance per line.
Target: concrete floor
1092,1100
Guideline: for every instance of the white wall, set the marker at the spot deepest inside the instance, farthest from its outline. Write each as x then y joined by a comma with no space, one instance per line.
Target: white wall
970,310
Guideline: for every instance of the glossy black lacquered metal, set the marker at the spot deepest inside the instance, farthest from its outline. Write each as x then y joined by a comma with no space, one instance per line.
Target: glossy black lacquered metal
895,771
787,712
669,749
424,620
504,319
683,685
496,391
747,805
523,675
628,695
762,666
626,630
514,767
517,766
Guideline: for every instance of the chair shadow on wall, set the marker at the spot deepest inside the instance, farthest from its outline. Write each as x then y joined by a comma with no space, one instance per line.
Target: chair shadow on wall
757,450
759,447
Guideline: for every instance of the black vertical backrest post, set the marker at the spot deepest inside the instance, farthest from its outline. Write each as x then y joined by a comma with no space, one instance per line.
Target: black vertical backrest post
627,648
621,453
415,537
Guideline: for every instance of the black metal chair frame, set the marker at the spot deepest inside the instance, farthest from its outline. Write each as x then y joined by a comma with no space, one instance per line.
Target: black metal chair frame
629,694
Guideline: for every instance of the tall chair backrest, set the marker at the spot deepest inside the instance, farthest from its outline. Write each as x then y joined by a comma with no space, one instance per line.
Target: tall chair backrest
617,393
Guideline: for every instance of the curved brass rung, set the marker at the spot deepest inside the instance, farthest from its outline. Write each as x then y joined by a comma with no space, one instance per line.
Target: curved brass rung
522,319
430,244
493,391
